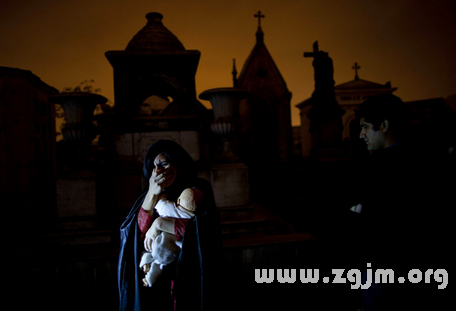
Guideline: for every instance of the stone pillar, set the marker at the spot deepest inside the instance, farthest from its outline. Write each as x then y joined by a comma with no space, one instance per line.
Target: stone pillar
76,184
325,115
230,183
229,178
76,194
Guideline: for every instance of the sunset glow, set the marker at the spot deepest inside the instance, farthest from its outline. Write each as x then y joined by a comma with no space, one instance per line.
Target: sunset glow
410,43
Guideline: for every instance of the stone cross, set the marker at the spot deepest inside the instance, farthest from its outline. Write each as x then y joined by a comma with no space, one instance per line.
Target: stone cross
260,16
315,51
324,72
356,67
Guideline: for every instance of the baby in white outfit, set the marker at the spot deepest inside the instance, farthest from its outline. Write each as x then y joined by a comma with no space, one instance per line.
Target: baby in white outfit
165,247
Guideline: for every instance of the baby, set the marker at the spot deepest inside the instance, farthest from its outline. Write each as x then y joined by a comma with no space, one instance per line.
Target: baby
165,247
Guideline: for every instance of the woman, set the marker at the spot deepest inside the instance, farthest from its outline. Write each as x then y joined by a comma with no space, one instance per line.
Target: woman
169,170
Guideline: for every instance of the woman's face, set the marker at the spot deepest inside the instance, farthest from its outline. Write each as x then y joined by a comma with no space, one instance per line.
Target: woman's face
163,166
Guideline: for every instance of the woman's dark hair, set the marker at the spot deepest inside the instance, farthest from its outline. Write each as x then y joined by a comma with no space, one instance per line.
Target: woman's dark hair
185,165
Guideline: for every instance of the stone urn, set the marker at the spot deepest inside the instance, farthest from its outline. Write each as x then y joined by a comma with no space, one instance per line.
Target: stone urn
225,104
78,108
79,130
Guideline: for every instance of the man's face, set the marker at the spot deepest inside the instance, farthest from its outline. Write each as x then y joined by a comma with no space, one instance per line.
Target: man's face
374,139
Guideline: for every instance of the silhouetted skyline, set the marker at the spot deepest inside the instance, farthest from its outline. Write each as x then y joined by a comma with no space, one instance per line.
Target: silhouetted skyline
410,43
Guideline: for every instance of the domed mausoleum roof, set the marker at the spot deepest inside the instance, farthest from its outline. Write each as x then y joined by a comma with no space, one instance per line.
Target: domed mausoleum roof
154,37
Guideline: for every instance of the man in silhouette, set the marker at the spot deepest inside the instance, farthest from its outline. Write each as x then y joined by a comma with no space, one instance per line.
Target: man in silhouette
401,205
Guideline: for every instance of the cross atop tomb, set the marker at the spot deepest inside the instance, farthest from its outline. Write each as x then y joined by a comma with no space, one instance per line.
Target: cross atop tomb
324,72
259,16
356,67
315,51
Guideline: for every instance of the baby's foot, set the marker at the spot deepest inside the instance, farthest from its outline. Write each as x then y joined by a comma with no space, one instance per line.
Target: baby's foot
146,267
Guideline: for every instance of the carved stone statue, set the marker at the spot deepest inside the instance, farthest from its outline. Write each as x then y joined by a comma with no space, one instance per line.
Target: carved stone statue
324,73
325,115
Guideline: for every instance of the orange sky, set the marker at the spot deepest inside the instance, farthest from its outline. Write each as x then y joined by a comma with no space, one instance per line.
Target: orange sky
410,43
